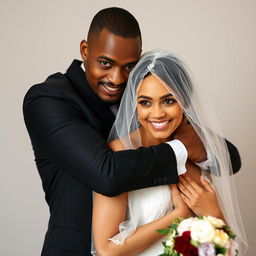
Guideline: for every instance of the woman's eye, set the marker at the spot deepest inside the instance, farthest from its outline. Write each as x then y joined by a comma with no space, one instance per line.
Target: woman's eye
168,101
144,103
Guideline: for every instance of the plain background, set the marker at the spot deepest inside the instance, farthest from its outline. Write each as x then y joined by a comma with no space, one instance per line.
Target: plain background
217,40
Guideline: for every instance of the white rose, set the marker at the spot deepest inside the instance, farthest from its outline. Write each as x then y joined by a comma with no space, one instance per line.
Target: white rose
202,231
217,223
185,225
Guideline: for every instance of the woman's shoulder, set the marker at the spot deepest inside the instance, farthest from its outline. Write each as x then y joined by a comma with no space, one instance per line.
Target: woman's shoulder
116,145
132,139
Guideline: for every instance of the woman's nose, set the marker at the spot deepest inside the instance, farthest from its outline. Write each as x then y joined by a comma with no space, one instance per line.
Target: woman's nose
158,112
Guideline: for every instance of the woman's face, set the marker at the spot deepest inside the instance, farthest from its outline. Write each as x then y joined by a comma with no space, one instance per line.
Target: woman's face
158,111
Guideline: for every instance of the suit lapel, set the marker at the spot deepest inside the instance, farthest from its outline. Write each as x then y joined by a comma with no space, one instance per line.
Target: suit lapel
76,75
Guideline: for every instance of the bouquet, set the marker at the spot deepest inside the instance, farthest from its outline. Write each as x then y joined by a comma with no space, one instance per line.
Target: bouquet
199,236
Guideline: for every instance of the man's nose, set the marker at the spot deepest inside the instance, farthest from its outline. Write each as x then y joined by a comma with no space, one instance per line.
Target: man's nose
116,76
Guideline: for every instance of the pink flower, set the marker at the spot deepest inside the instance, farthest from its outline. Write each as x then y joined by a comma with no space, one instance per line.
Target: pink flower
231,247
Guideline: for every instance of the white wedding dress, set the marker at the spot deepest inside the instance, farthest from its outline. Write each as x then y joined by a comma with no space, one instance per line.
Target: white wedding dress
144,206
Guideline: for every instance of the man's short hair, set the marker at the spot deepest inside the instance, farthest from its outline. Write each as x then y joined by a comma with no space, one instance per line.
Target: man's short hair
117,21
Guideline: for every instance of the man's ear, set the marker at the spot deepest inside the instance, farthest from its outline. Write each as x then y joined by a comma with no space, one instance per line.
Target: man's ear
84,50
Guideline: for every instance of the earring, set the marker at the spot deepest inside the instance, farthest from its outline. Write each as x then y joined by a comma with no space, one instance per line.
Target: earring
138,122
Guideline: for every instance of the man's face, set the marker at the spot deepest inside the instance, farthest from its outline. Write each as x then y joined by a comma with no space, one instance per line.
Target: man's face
108,60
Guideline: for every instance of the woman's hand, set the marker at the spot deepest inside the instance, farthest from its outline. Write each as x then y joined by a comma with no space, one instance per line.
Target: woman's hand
202,200
178,202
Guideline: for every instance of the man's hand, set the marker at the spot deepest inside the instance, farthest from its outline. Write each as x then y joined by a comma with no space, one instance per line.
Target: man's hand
188,136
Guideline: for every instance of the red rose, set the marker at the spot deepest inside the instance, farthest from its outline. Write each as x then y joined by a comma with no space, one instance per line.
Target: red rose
182,245
182,242
191,250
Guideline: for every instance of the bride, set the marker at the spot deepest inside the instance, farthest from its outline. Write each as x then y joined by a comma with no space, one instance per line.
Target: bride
159,96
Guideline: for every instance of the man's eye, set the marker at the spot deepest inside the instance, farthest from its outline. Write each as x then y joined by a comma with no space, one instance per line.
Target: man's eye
104,63
130,67
145,103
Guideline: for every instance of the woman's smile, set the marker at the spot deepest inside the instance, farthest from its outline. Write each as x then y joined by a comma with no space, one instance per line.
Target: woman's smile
159,125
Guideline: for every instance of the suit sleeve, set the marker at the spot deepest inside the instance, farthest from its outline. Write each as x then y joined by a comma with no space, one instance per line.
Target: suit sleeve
56,127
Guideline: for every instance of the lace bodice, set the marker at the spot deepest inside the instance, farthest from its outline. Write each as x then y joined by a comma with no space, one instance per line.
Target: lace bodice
148,204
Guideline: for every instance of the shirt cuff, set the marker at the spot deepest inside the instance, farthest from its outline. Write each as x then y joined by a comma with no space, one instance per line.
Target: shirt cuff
181,154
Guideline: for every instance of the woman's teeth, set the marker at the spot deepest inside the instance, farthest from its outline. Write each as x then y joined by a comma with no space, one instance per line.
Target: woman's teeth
159,124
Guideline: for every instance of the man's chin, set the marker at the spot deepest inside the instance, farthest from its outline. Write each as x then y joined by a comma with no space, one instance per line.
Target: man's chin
110,100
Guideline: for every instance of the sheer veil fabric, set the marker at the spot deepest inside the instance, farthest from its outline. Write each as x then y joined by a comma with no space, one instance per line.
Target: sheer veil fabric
172,72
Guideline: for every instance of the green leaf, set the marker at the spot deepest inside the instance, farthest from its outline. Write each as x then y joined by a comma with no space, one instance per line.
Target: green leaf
163,231
174,226
221,250
231,233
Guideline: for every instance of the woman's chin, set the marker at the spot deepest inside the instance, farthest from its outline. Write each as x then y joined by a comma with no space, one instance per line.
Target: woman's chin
162,137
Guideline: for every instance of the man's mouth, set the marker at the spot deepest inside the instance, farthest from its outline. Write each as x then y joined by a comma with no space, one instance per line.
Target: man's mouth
112,89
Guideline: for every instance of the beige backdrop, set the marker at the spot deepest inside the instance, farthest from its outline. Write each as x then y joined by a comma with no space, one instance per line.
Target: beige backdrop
216,38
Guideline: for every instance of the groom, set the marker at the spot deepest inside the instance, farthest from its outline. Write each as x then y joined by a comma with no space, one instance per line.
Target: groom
68,118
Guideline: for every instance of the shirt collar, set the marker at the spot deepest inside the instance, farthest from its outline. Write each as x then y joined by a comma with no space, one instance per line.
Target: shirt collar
82,66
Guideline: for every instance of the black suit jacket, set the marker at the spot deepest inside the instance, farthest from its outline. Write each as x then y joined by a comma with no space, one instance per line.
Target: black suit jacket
68,126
